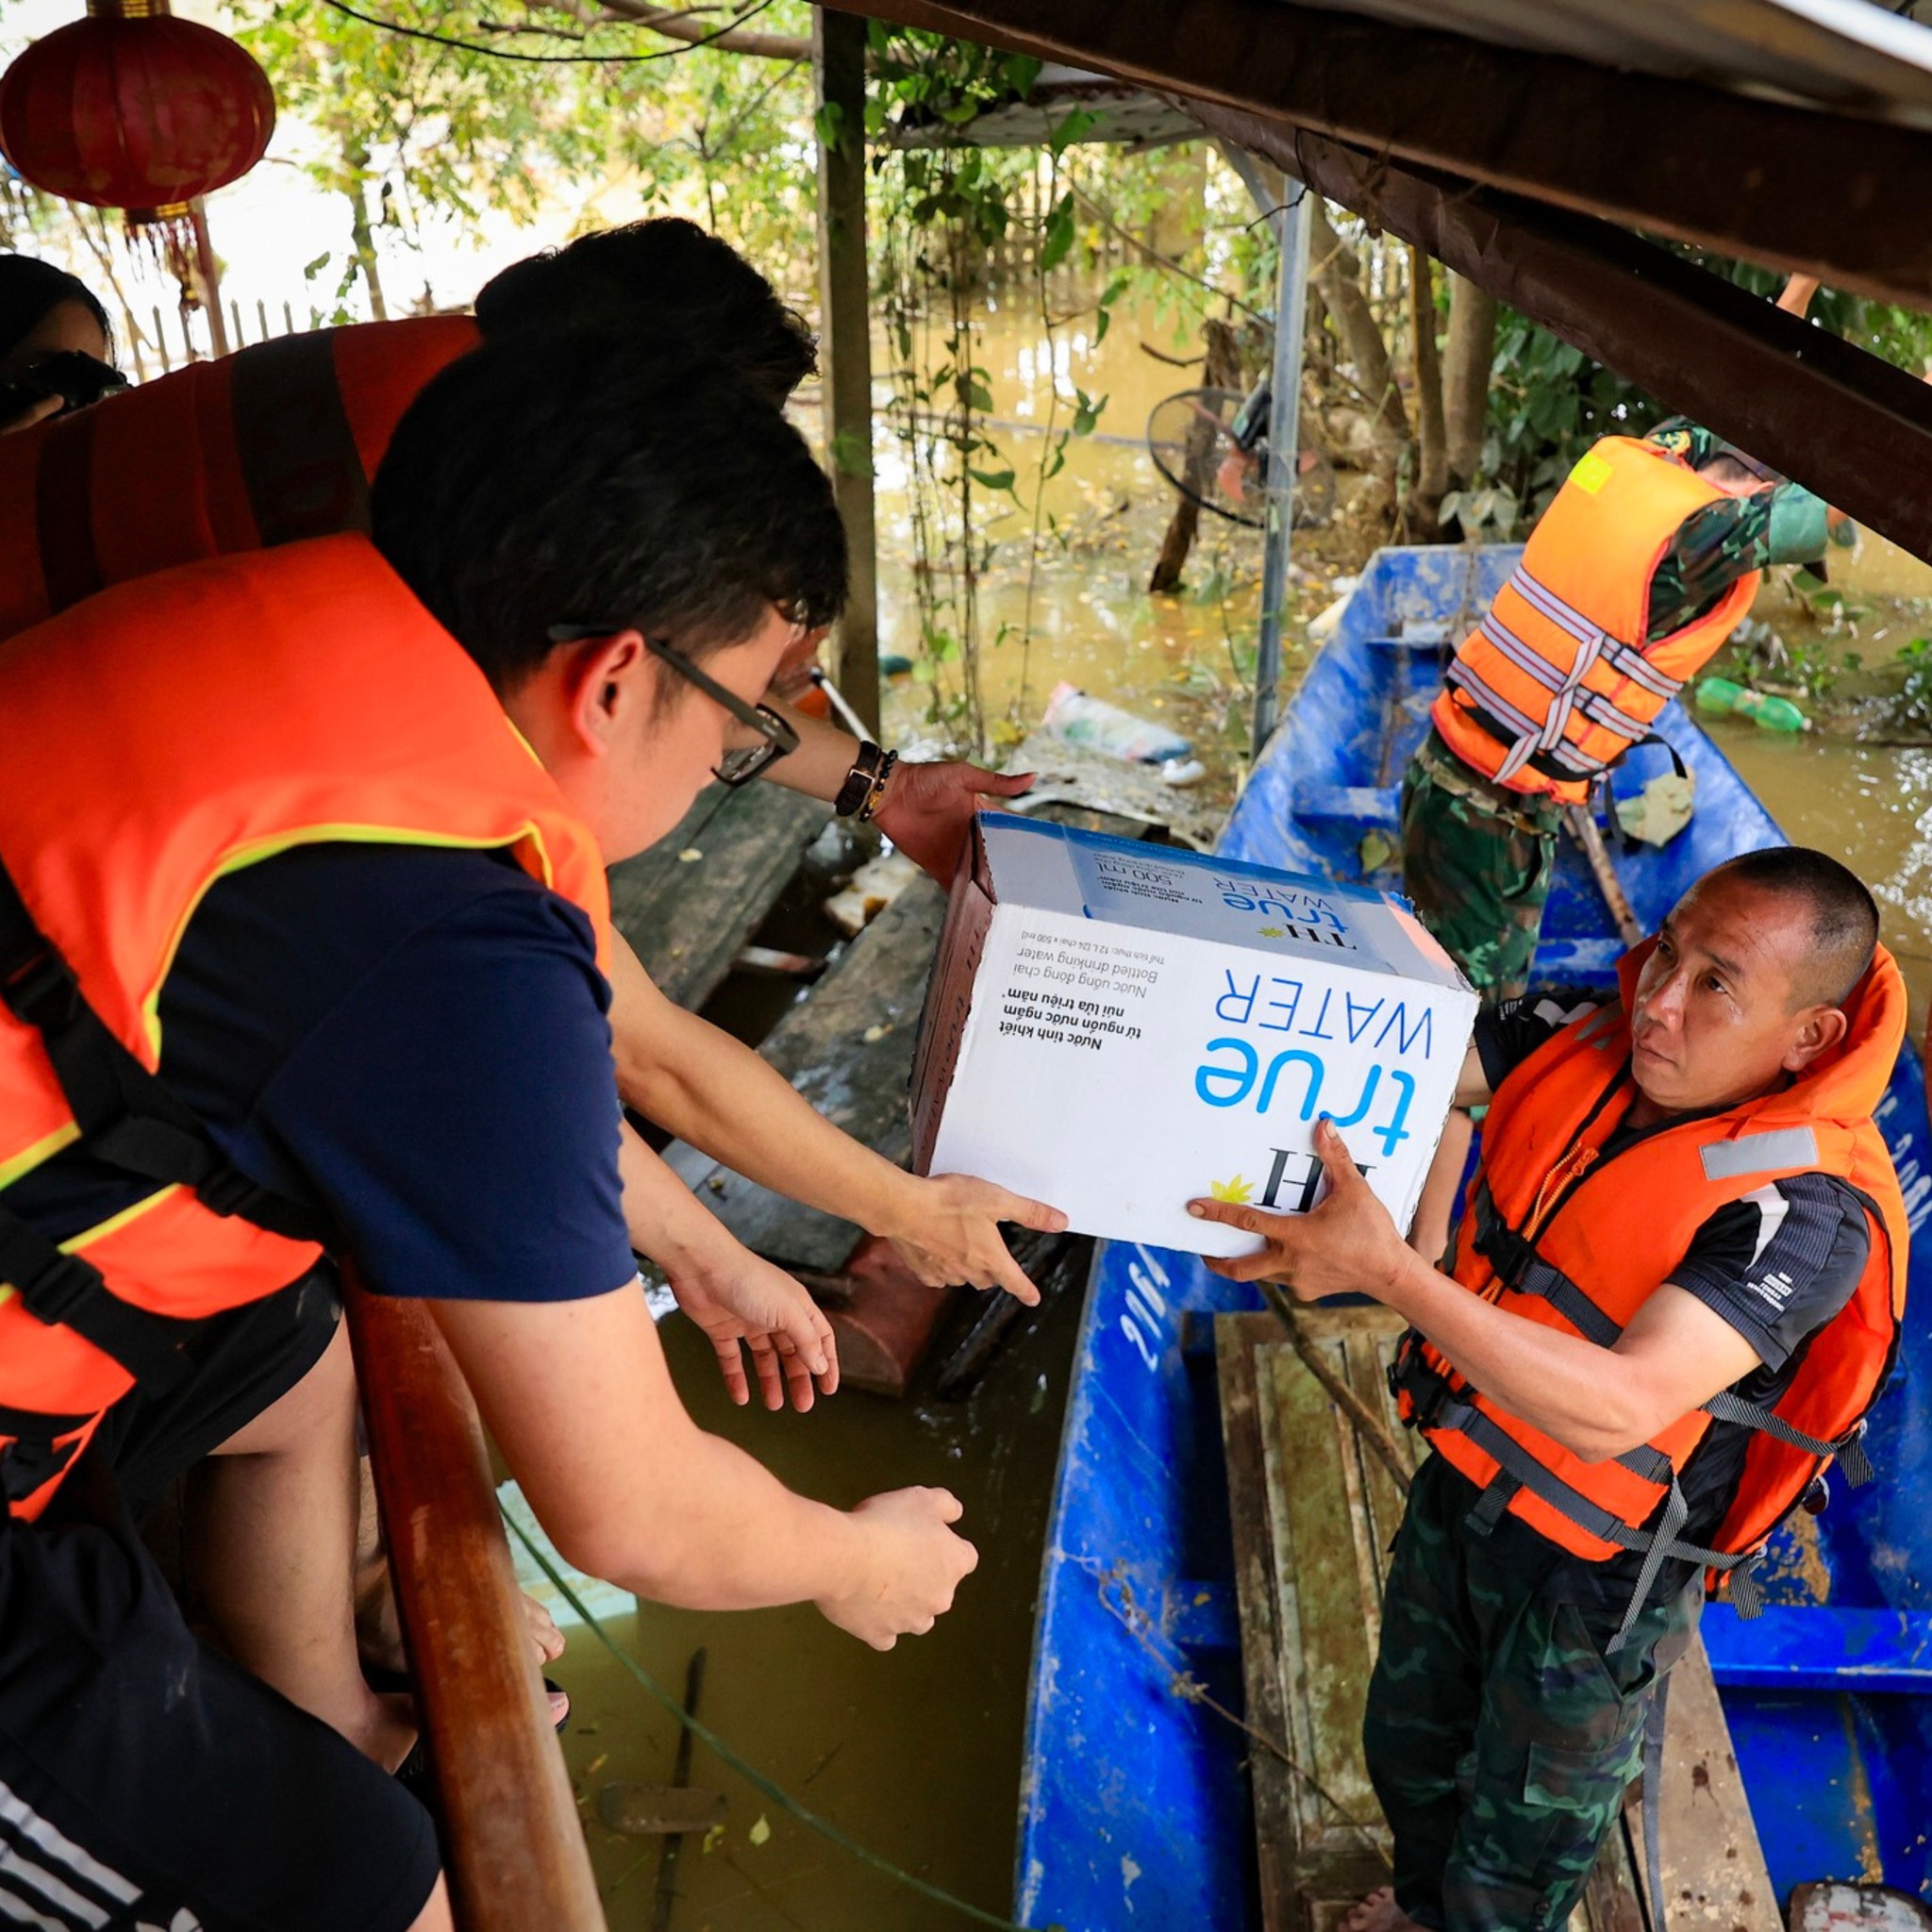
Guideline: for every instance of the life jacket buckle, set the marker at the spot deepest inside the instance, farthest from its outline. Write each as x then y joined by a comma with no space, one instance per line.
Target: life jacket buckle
42,992
30,1462
1411,1379
54,1291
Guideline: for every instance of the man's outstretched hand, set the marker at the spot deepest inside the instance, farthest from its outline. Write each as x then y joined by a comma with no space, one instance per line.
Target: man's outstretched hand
1347,1244
948,1232
755,1306
929,809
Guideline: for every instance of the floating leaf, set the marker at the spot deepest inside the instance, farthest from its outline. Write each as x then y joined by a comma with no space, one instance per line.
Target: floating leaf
761,1832
1378,850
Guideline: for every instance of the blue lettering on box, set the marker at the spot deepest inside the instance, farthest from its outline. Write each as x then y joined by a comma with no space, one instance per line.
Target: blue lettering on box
1243,1076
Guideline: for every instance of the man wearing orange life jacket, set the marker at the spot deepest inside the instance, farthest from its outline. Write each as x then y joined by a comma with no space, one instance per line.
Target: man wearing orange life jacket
1675,1292
1645,561
280,442
300,943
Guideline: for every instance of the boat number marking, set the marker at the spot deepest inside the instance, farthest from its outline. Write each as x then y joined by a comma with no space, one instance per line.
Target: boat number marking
1145,1301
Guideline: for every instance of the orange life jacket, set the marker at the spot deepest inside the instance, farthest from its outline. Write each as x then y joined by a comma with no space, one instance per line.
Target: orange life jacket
277,442
1560,679
159,737
1559,1234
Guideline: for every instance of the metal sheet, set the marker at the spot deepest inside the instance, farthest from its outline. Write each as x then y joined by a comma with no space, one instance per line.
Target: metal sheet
1794,186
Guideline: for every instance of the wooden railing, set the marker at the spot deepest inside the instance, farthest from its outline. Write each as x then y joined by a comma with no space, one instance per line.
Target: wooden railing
513,1848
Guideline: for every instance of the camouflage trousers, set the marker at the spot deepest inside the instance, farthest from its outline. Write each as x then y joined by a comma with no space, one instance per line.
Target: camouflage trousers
1477,869
1500,1735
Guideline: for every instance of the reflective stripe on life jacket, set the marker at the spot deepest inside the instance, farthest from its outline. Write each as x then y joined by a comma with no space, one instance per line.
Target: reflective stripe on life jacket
1559,1233
161,736
1560,679
277,442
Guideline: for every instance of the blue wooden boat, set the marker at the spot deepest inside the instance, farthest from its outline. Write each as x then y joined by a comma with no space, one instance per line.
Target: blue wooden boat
1134,1808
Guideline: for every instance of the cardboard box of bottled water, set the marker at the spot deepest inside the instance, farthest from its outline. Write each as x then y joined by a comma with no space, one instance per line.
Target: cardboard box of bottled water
1115,1027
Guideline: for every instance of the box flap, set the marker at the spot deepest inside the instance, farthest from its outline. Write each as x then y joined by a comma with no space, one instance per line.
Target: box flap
1168,889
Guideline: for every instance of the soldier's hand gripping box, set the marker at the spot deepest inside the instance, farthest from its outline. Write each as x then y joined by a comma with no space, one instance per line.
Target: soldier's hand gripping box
1114,1027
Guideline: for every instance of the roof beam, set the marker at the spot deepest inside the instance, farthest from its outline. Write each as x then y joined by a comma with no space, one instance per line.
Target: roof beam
1838,197
1841,420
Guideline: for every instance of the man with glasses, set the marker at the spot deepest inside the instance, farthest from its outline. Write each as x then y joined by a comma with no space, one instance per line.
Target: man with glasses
319,894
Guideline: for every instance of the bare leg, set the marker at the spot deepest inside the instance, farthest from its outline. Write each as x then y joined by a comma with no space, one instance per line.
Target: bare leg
378,1630
435,1916
269,1540
1378,1912
1429,1235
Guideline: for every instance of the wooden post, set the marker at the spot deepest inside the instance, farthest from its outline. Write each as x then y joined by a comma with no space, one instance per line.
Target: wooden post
209,276
839,61
511,1840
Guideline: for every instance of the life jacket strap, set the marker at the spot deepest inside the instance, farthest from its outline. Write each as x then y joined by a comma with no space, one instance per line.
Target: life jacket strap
67,1292
1437,1405
1848,1449
32,1452
126,1116
1524,1271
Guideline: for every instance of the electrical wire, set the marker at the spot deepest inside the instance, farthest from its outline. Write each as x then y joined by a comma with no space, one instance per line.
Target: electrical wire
422,33
754,1777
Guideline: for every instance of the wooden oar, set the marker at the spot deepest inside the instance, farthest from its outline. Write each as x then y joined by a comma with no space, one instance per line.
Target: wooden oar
1582,830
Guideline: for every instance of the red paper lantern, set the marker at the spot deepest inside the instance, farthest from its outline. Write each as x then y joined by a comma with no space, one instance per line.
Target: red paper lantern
134,110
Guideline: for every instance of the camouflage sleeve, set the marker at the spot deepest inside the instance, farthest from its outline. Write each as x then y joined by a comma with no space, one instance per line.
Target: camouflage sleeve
1715,547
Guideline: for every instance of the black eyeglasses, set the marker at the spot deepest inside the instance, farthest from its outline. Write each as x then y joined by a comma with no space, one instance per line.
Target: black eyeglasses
741,764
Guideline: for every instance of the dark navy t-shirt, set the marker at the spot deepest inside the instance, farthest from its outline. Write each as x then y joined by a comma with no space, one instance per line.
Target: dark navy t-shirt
414,1040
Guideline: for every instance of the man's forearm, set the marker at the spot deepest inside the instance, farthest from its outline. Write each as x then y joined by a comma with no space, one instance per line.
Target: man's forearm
826,751
1577,1393
667,1222
727,1534
715,1092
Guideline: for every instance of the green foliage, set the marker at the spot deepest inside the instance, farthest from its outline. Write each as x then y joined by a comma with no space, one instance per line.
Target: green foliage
1548,403
1912,706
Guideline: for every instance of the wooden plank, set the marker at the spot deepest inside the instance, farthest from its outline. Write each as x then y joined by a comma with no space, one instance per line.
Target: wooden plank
1257,1588
1313,1512
848,1049
1311,1530
686,918
1713,1865
511,1839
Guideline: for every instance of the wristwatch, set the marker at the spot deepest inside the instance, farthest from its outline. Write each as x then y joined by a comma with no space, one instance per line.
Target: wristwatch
864,789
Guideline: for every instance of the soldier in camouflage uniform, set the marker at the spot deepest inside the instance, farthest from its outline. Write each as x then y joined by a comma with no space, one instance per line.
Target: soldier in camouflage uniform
1476,855
1518,1660
1500,1729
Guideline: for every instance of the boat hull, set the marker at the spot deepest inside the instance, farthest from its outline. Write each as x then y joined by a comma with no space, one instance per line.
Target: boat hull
1134,1807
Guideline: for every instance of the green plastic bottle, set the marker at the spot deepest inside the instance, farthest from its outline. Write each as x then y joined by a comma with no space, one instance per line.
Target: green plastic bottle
1719,696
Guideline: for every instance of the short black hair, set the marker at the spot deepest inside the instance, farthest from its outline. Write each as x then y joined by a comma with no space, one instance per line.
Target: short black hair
590,483
30,289
1845,916
668,269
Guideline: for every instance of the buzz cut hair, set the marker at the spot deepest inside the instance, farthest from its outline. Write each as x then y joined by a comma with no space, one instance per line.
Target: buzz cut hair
1844,935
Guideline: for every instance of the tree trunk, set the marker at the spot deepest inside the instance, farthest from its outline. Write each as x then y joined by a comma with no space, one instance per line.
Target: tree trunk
362,231
1466,358
1220,369
1336,271
1432,462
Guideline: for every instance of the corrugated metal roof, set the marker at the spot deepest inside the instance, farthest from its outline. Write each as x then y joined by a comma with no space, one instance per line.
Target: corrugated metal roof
1853,56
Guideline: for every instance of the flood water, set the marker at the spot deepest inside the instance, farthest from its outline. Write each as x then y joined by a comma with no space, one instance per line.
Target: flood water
917,1754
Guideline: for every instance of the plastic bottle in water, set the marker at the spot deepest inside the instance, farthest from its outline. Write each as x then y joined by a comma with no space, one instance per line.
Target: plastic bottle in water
1072,715
1719,696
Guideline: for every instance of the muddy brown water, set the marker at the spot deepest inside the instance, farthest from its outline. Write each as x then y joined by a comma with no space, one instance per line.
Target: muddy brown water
916,1754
